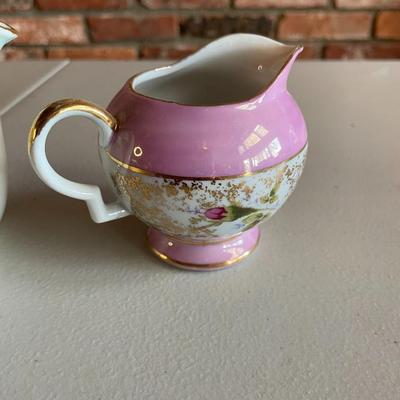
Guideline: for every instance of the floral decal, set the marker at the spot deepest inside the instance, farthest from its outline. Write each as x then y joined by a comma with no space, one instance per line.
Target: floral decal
229,213
251,216
204,209
216,213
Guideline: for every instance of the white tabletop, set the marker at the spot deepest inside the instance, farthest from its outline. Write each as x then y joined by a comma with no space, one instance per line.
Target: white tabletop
17,82
86,312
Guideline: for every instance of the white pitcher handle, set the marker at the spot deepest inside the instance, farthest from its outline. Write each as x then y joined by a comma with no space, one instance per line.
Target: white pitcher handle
55,112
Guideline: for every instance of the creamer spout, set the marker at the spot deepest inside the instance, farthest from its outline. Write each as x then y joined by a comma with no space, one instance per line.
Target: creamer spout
280,81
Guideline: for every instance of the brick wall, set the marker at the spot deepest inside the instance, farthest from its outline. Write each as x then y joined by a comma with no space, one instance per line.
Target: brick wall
128,29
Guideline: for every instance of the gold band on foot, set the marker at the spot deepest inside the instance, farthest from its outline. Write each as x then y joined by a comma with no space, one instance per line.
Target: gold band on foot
200,267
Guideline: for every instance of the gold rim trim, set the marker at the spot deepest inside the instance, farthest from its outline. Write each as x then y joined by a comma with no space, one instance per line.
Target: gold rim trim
295,49
9,28
201,267
201,178
63,106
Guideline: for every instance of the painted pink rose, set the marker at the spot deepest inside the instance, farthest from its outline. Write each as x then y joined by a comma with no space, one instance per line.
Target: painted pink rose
216,213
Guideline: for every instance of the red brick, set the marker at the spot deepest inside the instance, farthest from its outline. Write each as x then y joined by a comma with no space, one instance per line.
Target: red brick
310,52
216,26
82,4
93,53
184,4
48,30
279,3
15,5
367,3
388,25
16,53
362,50
109,28
323,25
175,52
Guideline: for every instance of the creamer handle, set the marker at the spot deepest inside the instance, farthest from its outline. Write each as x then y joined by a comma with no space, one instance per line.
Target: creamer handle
55,112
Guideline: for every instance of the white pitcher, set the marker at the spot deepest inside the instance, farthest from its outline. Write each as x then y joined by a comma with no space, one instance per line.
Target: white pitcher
7,34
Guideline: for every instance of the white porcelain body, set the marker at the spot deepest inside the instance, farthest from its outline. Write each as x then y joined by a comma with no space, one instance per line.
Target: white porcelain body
99,211
7,34
205,209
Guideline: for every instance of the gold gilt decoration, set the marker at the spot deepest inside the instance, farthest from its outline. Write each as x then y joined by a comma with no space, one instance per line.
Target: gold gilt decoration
68,105
9,28
206,210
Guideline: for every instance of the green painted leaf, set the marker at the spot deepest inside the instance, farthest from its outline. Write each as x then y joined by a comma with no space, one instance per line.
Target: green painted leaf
236,212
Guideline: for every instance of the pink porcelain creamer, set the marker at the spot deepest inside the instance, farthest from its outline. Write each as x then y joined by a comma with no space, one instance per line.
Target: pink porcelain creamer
202,151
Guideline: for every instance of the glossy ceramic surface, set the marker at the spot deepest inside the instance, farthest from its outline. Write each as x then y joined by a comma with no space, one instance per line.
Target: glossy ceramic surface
200,160
203,257
185,139
7,34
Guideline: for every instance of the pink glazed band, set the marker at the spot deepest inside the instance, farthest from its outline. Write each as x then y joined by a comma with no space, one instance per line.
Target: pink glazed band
197,141
213,256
